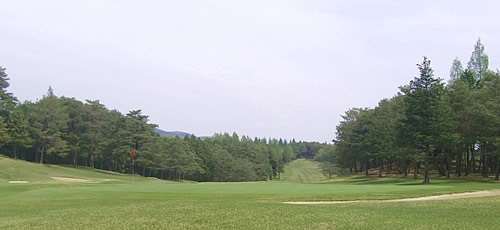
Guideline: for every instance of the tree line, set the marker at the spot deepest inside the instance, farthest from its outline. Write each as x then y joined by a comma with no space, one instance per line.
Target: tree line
451,128
62,130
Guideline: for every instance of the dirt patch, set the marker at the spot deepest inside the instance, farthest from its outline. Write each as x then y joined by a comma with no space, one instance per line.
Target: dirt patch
440,197
71,179
18,182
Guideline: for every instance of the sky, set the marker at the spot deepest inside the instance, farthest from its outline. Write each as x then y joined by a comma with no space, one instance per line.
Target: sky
283,69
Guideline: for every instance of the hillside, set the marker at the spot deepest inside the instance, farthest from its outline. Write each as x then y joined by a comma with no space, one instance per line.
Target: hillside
172,133
175,134
303,171
20,171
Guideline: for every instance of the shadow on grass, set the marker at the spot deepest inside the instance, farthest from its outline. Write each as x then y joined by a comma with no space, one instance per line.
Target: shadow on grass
404,181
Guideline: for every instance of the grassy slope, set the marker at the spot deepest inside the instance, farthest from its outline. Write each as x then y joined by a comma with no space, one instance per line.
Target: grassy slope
15,170
252,205
302,171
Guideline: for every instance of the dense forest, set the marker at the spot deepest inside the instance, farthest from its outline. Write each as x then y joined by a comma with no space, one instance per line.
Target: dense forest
61,130
449,129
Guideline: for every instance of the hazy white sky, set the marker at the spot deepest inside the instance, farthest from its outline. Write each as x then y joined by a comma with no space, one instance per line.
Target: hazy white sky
261,68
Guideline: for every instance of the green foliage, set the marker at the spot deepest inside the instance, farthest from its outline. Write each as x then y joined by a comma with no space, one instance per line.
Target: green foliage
19,131
479,61
7,100
326,154
442,127
224,165
456,70
4,135
67,131
49,121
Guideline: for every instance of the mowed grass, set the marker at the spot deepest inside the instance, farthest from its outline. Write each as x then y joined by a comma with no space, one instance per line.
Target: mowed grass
20,170
154,204
302,171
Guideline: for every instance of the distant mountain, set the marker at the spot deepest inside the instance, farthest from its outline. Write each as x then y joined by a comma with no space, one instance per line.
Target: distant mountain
172,133
175,134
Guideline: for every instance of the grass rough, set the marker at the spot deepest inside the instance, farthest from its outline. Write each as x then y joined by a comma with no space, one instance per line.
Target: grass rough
155,204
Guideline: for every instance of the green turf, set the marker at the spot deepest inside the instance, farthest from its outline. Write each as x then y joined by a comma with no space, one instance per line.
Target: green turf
154,204
14,170
302,171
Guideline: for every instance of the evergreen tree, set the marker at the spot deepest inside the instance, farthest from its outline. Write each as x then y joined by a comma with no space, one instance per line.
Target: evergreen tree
76,127
4,133
50,122
7,100
423,114
19,131
456,70
224,165
479,61
95,115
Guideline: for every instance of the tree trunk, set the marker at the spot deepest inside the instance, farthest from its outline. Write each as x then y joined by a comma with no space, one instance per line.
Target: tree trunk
467,162
492,164
484,169
41,155
388,165
439,166
448,164
481,161
405,168
415,170
473,158
91,155
498,169
458,164
380,167
91,147
426,166
367,165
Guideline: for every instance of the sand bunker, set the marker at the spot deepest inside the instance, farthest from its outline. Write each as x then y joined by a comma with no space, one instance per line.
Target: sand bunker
70,179
440,197
18,182
81,180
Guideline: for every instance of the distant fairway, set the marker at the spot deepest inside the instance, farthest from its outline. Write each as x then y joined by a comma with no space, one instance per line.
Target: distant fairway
302,171
45,203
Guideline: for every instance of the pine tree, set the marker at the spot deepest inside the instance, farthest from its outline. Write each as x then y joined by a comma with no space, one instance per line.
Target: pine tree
456,69
19,131
479,61
50,121
423,114
4,133
7,100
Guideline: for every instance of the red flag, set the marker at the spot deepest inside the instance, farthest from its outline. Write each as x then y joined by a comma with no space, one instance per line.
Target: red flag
133,154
